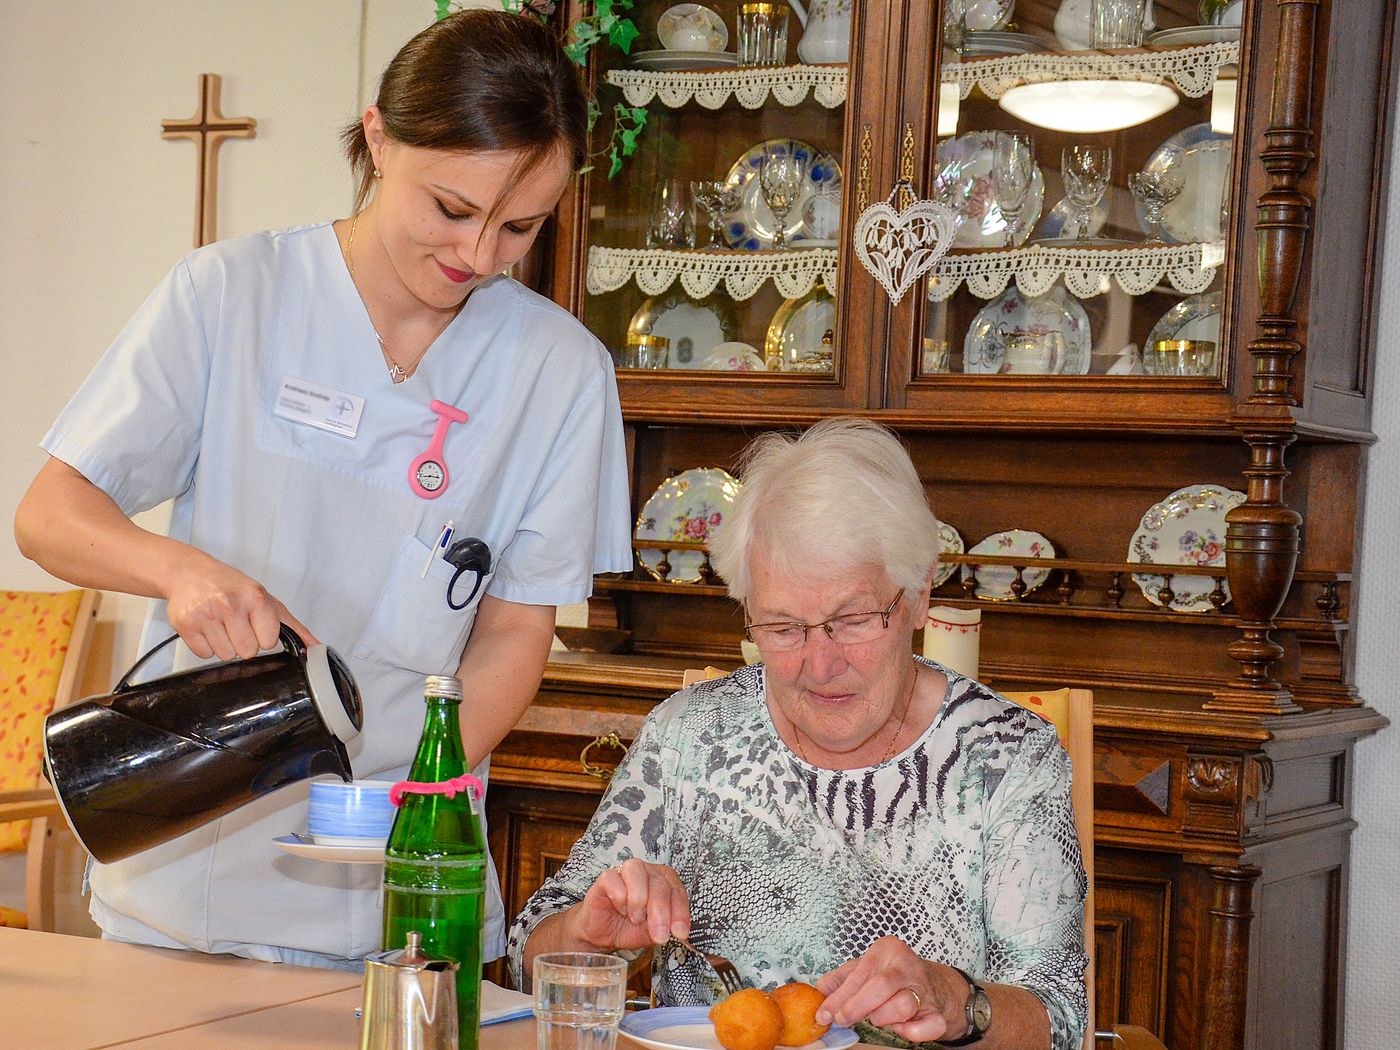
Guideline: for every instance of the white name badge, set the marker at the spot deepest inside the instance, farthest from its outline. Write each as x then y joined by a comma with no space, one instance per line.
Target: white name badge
314,405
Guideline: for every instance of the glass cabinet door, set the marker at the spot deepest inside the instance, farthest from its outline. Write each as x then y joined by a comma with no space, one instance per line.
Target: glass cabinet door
1085,148
711,253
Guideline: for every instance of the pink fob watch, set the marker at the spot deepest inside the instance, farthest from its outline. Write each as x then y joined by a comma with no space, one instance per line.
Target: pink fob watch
427,475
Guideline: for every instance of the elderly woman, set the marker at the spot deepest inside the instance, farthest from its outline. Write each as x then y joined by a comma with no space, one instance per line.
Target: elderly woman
843,813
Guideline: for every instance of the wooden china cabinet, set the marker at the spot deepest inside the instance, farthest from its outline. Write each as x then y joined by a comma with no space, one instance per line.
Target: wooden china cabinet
1225,711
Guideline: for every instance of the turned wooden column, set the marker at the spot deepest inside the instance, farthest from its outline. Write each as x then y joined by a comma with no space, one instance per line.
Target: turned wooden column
1261,535
1223,1012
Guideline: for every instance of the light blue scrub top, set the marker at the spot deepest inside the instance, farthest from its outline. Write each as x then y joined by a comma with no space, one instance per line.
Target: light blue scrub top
181,407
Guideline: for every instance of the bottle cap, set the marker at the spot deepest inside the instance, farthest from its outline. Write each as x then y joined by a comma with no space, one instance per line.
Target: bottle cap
443,685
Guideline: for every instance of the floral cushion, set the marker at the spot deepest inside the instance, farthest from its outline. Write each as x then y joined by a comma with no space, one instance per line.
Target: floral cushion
34,631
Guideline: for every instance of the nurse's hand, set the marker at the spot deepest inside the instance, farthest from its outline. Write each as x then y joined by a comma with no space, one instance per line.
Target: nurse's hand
220,612
634,905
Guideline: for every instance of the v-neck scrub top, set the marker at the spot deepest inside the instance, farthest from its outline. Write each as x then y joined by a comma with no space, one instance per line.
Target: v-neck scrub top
181,407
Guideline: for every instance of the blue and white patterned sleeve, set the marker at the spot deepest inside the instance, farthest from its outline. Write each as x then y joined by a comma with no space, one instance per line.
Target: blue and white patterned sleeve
1034,886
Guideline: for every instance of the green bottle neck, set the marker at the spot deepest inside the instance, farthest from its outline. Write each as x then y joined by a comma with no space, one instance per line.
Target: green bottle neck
440,755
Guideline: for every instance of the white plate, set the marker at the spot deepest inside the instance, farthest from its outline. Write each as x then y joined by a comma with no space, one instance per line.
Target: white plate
670,61
1062,222
949,542
964,165
797,329
981,44
694,327
1013,313
300,847
689,1028
994,581
1188,36
732,357
693,27
1195,317
751,225
689,506
1186,528
1202,158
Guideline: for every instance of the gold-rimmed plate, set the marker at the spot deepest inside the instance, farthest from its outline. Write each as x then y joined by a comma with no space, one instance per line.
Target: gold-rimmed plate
801,332
691,507
693,326
994,581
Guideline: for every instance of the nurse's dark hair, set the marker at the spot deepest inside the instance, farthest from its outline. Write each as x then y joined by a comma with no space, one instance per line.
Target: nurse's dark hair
479,81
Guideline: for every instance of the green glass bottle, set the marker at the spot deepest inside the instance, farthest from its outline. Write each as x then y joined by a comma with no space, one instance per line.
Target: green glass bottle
435,862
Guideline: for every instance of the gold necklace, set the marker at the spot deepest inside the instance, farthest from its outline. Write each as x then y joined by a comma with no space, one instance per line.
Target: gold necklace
397,374
908,703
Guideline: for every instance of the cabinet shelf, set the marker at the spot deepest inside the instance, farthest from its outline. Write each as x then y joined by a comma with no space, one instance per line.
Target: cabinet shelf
1192,69
751,87
1136,268
794,271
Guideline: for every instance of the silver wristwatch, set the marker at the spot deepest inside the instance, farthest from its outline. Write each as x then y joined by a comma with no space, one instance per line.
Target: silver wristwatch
979,1012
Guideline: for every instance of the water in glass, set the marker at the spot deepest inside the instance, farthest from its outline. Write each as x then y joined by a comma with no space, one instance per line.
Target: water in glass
579,1000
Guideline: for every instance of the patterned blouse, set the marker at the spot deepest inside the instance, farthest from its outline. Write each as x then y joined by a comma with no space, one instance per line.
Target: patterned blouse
963,846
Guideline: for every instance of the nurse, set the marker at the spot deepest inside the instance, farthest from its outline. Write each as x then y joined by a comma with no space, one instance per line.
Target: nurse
319,403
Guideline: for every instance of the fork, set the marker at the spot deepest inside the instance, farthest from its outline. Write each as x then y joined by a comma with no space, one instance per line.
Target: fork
724,969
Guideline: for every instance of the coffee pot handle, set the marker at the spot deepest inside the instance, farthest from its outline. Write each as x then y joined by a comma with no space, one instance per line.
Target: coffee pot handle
290,640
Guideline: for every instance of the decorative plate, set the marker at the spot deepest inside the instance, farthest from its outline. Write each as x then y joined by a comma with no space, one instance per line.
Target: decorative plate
1189,36
751,225
694,327
796,332
300,846
1062,222
964,175
692,27
732,357
1012,314
994,581
673,61
688,507
949,542
984,15
1186,528
1202,158
983,44
1195,317
689,1028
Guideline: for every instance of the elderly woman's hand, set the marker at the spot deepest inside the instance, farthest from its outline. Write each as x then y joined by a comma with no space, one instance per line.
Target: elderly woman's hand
633,905
893,988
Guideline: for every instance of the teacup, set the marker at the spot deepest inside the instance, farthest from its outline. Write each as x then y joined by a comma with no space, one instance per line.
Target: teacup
353,814
692,27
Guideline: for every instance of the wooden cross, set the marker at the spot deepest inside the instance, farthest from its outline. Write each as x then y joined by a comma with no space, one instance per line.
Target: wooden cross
208,128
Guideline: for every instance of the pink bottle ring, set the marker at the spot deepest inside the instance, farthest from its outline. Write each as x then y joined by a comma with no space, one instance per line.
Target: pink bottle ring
466,782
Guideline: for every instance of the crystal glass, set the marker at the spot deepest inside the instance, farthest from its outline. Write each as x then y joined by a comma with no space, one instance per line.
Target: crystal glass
1013,166
1154,190
780,178
1117,23
955,24
718,199
1086,171
672,218
763,34
579,999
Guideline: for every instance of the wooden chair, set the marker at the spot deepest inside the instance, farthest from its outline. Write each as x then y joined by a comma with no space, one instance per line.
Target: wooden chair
1071,711
44,639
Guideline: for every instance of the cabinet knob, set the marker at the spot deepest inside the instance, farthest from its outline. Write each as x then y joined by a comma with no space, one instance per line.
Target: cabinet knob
601,772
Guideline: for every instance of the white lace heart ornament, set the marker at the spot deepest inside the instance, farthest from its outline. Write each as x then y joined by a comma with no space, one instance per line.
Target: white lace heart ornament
899,247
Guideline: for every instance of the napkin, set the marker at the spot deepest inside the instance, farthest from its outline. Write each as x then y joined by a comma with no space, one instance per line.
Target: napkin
502,1004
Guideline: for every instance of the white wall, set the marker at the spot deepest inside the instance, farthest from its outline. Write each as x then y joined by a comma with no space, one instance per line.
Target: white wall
95,207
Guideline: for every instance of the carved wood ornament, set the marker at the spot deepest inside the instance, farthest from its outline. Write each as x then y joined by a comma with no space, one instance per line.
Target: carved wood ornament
208,128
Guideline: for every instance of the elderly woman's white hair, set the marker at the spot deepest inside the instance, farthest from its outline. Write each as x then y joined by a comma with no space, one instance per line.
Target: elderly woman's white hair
841,496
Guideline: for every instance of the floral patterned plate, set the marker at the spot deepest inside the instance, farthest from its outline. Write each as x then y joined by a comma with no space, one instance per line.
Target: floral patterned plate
994,581
689,1028
689,507
751,225
1186,528
949,542
964,183
1016,314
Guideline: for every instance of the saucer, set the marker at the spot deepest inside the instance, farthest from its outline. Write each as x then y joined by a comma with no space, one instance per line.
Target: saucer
361,854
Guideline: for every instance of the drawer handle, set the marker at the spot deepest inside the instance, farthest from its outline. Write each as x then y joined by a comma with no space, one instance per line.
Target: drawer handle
601,772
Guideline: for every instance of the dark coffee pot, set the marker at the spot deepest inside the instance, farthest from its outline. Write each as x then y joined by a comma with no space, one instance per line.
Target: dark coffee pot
152,761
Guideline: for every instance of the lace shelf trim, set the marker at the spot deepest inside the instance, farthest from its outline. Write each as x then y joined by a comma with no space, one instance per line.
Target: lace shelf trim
1189,268
752,87
794,272
1192,69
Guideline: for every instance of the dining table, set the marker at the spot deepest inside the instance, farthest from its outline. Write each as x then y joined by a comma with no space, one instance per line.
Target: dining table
60,992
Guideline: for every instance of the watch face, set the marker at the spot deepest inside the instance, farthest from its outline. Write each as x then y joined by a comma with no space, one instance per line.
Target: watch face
981,1010
430,475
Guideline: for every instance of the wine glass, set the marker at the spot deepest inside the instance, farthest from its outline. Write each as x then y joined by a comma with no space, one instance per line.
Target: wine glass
1086,171
719,199
1154,190
1013,166
780,176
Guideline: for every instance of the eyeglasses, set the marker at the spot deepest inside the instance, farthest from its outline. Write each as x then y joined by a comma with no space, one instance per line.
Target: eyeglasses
846,629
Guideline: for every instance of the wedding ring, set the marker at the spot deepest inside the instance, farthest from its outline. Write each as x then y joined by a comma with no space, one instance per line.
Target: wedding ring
918,999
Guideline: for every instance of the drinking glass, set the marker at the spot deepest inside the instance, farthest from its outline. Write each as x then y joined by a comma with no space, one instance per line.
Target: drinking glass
579,999
955,24
1181,357
1086,171
1013,166
763,34
1154,190
780,176
672,221
718,199
1117,23
649,351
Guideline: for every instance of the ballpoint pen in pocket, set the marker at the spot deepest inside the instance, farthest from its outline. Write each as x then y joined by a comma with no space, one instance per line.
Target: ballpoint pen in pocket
444,538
